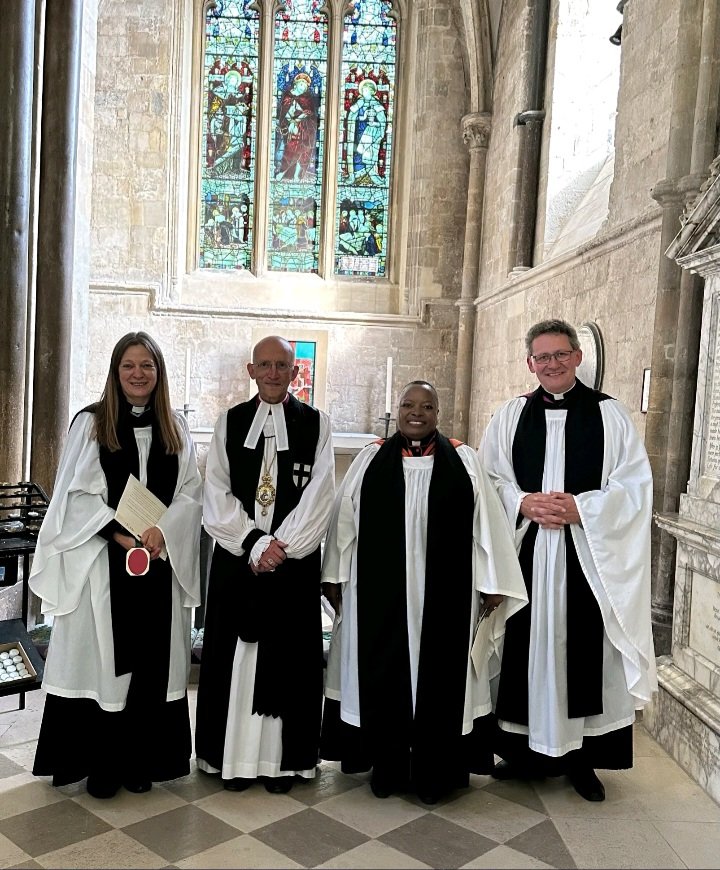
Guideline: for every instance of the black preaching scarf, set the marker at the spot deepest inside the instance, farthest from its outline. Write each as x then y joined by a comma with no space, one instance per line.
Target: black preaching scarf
584,449
275,610
141,606
383,657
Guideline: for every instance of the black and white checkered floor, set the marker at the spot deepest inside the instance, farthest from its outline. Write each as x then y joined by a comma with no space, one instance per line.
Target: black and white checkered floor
654,816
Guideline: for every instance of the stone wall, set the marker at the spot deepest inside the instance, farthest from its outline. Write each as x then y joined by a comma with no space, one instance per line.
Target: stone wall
438,187
137,213
649,48
221,346
611,280
612,285
131,172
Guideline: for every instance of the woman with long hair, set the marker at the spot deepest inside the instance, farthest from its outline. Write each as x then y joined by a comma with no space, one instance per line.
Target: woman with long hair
117,667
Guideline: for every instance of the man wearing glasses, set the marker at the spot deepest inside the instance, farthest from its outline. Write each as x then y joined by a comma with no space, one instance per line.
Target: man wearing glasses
576,483
269,489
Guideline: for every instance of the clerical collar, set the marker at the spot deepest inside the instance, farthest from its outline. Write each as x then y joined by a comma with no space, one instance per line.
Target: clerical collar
277,410
424,447
557,397
137,410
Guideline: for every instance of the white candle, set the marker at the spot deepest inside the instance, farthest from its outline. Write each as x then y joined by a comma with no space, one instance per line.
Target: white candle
187,377
388,387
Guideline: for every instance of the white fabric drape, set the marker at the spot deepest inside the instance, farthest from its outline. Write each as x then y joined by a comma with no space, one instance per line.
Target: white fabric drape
494,564
70,569
613,546
253,743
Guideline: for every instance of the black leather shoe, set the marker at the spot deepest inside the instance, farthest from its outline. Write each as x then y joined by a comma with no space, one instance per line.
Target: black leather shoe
138,786
428,797
380,787
587,785
98,787
503,771
237,784
279,784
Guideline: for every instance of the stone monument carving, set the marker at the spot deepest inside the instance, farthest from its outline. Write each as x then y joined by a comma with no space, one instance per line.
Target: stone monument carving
685,717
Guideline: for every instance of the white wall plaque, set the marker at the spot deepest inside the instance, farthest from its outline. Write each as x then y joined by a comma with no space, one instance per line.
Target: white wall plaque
705,617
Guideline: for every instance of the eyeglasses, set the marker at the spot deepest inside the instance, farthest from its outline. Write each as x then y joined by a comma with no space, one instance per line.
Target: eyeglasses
265,366
559,356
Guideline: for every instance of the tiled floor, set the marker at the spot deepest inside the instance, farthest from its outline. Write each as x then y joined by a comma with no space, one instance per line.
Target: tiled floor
654,816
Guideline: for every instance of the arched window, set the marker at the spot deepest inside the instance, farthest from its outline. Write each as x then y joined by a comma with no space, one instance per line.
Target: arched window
327,73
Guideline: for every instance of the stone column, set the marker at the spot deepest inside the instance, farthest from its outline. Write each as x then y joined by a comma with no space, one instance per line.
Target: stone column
476,135
16,100
668,428
529,124
56,233
676,328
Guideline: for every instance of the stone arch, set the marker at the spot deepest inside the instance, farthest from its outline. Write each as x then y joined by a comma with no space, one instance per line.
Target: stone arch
479,19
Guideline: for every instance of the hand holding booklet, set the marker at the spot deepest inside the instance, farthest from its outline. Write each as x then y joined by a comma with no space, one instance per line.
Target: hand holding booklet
139,510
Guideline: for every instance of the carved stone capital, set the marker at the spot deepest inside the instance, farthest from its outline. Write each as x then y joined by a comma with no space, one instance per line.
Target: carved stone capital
666,192
476,129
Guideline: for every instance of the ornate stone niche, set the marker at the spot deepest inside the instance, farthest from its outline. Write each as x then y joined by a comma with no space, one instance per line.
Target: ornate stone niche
685,717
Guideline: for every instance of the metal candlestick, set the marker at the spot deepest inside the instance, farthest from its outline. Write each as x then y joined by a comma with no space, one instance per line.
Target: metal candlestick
386,418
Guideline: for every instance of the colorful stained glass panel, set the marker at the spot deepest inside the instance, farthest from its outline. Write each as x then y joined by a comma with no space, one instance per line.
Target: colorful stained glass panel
365,146
298,130
303,387
229,124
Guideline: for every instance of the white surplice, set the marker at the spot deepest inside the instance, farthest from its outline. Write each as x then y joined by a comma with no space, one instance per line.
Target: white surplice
253,743
494,565
70,569
613,546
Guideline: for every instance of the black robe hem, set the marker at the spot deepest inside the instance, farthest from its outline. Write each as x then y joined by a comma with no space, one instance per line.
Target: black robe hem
144,741
449,769
611,751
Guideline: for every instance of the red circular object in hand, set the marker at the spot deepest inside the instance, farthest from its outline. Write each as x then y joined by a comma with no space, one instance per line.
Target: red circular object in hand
137,561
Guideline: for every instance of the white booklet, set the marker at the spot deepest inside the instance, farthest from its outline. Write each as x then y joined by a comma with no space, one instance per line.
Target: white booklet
139,510
481,642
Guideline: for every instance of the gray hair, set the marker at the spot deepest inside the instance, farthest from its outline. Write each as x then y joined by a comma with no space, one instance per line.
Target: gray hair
551,327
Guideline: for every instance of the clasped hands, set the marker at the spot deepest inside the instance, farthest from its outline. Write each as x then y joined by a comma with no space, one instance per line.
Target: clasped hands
152,539
271,559
550,510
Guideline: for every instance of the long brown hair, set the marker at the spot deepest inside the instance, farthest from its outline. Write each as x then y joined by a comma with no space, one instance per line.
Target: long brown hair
108,408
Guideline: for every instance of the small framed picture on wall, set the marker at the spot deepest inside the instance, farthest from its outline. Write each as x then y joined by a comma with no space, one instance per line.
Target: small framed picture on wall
311,359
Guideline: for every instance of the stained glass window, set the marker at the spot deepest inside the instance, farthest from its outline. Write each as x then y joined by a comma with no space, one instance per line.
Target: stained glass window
295,204
364,151
230,87
297,134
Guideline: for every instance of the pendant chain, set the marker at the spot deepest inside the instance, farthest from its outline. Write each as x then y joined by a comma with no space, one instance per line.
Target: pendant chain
265,494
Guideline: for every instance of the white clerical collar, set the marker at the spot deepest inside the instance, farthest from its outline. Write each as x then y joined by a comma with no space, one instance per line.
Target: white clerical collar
137,410
277,411
560,396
